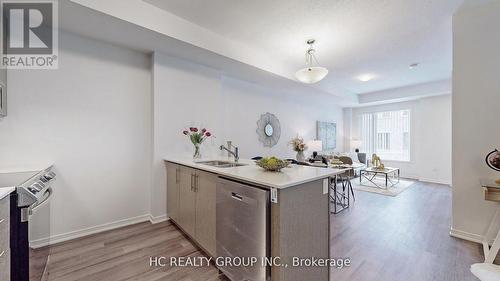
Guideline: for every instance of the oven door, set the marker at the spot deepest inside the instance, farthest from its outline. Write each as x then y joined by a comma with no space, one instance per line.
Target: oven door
39,235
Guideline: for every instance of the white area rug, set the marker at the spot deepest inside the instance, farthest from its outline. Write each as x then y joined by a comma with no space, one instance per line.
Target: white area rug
391,191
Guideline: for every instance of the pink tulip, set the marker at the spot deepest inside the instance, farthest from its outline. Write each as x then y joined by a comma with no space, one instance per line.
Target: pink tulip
208,134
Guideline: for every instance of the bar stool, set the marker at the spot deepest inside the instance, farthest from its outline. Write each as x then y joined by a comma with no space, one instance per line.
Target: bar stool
349,174
340,190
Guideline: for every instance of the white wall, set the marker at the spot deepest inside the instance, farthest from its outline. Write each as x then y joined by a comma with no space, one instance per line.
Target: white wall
92,118
476,127
430,137
433,139
188,94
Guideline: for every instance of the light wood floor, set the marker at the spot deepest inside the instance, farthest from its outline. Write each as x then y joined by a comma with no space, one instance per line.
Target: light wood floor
400,238
124,254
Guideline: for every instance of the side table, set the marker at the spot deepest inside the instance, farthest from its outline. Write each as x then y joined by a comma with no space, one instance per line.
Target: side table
491,193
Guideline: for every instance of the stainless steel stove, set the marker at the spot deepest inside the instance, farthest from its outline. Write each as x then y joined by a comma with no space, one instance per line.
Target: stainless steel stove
30,222
15,178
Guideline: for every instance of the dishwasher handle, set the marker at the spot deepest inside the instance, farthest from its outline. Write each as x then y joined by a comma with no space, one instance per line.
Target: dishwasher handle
236,196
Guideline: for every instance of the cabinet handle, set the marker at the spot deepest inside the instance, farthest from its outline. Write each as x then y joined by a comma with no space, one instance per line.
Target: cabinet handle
177,172
2,220
2,253
236,196
194,182
197,181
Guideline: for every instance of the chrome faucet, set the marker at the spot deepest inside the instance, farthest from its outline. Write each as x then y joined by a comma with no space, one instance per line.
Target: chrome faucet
234,153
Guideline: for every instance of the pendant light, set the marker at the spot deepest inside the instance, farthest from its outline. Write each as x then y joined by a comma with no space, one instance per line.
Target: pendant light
311,74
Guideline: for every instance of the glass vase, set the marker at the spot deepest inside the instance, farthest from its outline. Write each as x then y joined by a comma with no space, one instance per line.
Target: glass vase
197,153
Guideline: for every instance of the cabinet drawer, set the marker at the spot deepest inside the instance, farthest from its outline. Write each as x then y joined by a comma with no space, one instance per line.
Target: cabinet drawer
5,207
4,237
5,265
492,194
4,223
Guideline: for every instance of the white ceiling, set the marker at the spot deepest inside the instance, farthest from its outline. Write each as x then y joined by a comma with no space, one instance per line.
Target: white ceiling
354,37
109,24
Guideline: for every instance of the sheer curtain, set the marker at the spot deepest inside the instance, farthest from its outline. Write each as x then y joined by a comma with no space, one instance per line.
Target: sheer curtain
387,134
366,133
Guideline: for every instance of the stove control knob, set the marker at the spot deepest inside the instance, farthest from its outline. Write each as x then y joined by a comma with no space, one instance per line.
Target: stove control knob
50,175
37,186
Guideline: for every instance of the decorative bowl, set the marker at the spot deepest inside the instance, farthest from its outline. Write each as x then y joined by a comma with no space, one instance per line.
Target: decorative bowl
272,164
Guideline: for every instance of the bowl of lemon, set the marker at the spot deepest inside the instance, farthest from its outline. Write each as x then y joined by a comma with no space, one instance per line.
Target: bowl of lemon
272,164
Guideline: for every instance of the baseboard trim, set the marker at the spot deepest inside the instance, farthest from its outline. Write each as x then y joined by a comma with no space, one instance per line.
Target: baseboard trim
88,231
434,181
466,235
158,219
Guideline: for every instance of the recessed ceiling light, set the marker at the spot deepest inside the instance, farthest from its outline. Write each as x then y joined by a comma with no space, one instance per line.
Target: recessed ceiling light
414,65
366,77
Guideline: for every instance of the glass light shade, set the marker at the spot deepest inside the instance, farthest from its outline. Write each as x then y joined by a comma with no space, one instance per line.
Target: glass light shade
311,75
355,143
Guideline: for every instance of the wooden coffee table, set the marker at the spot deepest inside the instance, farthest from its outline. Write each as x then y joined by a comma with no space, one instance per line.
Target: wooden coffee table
391,176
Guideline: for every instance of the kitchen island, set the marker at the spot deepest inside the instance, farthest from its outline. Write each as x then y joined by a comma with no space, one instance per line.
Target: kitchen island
296,213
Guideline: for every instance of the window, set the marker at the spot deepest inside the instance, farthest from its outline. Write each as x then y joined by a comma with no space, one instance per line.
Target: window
387,134
383,141
406,141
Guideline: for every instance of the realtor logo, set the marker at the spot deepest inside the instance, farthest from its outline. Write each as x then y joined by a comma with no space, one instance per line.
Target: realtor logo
29,34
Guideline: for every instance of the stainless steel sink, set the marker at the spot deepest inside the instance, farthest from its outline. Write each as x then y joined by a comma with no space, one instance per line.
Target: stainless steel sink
213,162
229,165
221,164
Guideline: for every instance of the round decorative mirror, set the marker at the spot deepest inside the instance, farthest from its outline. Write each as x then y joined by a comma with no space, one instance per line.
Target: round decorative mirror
268,129
493,160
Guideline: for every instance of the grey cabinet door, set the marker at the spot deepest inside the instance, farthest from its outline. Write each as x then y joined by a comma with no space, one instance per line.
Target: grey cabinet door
173,180
187,200
205,210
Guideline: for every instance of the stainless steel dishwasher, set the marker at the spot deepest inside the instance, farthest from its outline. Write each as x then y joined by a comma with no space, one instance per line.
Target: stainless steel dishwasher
242,229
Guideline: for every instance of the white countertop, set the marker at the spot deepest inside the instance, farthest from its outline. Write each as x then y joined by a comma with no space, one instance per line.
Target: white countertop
14,175
291,176
4,191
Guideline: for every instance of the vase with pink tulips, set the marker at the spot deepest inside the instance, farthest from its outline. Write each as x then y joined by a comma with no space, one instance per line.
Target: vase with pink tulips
197,137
